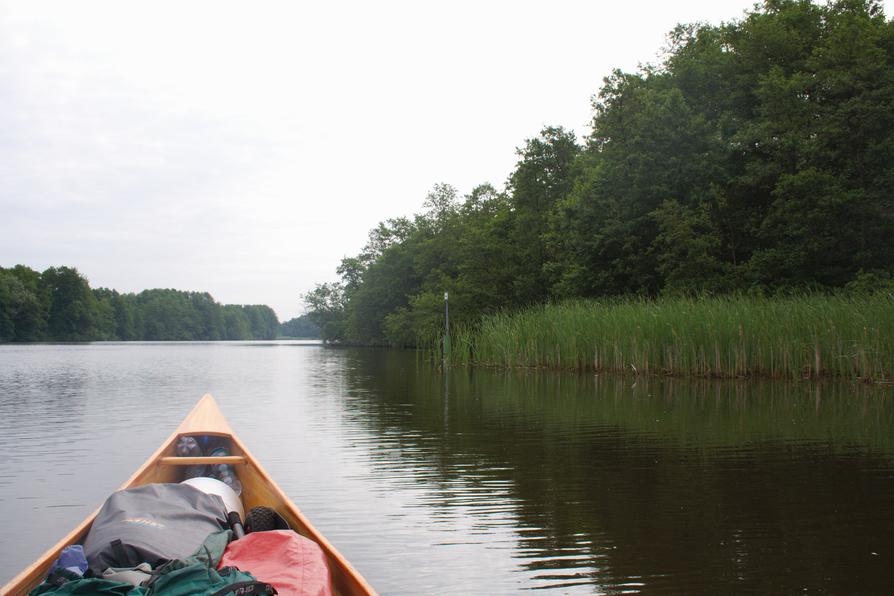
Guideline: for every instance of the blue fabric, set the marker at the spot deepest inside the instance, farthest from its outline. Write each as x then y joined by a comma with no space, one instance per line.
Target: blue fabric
71,558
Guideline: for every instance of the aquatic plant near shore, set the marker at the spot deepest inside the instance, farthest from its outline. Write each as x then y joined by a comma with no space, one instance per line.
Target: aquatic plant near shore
807,336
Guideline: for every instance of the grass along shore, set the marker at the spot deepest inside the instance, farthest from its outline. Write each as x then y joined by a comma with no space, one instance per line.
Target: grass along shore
809,336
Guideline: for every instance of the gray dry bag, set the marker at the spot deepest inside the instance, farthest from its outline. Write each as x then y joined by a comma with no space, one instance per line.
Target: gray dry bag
151,524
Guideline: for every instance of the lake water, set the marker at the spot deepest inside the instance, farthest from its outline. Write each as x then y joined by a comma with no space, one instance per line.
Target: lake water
487,482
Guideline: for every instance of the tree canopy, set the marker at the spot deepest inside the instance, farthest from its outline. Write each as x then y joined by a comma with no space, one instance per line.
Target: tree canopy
59,305
301,326
757,156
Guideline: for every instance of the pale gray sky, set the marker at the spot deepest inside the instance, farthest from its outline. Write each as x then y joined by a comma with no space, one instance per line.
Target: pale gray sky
245,148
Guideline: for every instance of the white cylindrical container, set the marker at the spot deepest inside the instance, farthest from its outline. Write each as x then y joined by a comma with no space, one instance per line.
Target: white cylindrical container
213,486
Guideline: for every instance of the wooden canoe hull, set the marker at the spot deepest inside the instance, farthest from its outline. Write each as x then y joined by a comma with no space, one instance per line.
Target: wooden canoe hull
257,489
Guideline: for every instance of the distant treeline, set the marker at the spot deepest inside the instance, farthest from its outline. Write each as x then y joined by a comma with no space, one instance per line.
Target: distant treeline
757,158
59,305
301,326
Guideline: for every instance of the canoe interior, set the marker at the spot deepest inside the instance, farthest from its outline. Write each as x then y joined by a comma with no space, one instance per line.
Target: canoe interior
257,489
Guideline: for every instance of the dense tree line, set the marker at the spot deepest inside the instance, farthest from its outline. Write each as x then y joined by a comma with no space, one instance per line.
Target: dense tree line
59,305
301,326
758,156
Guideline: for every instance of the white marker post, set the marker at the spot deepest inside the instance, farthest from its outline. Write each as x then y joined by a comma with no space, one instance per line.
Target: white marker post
446,326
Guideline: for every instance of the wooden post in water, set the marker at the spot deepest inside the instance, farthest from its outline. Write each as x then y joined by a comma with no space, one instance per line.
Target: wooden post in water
446,327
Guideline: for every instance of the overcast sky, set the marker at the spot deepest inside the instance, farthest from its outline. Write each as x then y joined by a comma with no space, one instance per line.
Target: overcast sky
245,148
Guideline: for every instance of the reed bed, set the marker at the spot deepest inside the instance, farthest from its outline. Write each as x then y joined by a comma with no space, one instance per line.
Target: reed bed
808,336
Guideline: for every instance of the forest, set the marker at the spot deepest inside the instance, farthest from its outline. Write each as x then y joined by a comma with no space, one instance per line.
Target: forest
299,327
755,159
59,305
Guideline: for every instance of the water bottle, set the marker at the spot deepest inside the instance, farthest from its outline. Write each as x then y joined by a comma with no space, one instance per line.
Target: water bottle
189,447
225,472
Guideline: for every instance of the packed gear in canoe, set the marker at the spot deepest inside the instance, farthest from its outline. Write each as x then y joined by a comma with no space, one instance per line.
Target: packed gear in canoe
159,535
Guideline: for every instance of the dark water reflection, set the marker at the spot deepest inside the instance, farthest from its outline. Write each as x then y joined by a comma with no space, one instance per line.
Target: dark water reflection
483,481
617,485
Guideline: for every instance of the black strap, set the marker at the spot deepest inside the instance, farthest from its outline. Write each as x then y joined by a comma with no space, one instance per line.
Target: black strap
245,588
121,554
57,579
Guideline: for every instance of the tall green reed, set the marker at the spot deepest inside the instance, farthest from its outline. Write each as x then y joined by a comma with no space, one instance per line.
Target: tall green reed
808,336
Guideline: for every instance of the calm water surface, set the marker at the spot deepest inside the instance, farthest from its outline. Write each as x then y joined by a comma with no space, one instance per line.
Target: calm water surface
483,481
